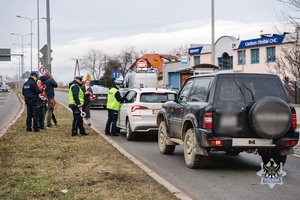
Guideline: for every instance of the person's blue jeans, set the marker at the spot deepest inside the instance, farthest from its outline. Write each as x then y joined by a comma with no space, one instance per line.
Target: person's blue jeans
41,116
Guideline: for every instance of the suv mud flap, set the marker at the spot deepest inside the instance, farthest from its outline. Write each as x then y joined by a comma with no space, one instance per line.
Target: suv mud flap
202,137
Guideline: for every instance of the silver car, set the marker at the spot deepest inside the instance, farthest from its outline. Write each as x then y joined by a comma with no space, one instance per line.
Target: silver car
139,110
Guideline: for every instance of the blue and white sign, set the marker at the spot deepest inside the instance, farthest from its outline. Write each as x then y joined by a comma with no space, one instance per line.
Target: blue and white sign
116,74
184,60
195,50
261,41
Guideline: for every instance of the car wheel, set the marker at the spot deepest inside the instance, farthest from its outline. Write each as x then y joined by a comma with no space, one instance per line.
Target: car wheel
270,117
164,148
232,152
275,154
192,159
129,133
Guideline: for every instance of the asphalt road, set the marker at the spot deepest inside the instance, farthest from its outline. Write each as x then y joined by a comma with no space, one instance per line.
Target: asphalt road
225,177
9,108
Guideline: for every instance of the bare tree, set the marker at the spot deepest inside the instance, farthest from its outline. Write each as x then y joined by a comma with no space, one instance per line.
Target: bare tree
94,62
287,65
127,58
290,12
112,65
183,49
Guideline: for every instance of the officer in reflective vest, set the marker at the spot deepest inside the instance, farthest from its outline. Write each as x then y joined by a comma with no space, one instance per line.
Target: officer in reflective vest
76,100
113,104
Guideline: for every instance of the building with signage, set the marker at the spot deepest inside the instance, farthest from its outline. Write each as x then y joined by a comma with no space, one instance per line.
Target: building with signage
251,55
232,54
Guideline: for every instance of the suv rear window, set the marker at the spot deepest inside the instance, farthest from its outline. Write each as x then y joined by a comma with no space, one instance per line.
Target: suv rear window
249,88
157,97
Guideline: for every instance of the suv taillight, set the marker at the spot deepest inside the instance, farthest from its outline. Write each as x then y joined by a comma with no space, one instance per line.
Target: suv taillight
290,143
207,122
294,121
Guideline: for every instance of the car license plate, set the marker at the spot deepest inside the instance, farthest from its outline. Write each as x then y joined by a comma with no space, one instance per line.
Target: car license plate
228,120
101,97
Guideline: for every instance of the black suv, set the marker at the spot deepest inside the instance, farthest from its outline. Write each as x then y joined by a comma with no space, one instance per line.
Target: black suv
231,112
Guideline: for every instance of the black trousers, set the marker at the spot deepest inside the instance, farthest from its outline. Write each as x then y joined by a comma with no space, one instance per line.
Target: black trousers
77,122
32,114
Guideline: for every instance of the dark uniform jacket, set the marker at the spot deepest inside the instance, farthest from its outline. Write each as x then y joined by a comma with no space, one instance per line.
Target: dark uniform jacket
30,92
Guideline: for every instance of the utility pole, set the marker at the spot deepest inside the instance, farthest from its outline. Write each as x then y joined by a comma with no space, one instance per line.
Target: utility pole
48,68
212,33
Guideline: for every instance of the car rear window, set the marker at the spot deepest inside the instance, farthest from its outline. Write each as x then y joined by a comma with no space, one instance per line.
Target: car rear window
157,97
5,87
100,90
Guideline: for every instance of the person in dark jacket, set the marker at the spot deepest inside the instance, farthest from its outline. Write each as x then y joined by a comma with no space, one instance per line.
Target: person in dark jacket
50,85
87,90
76,101
31,93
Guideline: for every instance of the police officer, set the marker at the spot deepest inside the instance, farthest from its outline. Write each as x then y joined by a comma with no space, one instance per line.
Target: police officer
113,104
30,92
76,100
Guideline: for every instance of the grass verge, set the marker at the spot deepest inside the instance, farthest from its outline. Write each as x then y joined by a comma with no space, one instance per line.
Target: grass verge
42,165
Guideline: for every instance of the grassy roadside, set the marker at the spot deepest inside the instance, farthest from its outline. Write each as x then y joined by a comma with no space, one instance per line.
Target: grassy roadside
41,165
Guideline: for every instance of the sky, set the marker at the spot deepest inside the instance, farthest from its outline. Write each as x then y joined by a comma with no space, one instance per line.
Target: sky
111,26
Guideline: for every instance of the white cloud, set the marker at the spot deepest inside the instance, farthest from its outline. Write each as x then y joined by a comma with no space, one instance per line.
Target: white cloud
64,55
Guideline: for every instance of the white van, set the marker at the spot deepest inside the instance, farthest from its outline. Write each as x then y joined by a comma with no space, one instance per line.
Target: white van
140,79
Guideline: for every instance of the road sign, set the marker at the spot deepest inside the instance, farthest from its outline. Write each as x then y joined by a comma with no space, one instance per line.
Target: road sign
5,55
141,64
44,50
155,61
184,60
44,61
116,74
42,70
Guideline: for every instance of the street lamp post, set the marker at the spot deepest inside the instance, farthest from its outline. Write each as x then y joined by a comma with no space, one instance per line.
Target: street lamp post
20,62
31,20
22,46
212,32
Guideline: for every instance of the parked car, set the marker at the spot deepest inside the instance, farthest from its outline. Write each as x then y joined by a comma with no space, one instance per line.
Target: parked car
99,97
5,88
138,111
231,112
290,89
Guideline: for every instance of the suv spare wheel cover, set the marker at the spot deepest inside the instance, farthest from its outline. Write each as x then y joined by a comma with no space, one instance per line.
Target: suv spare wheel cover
270,117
